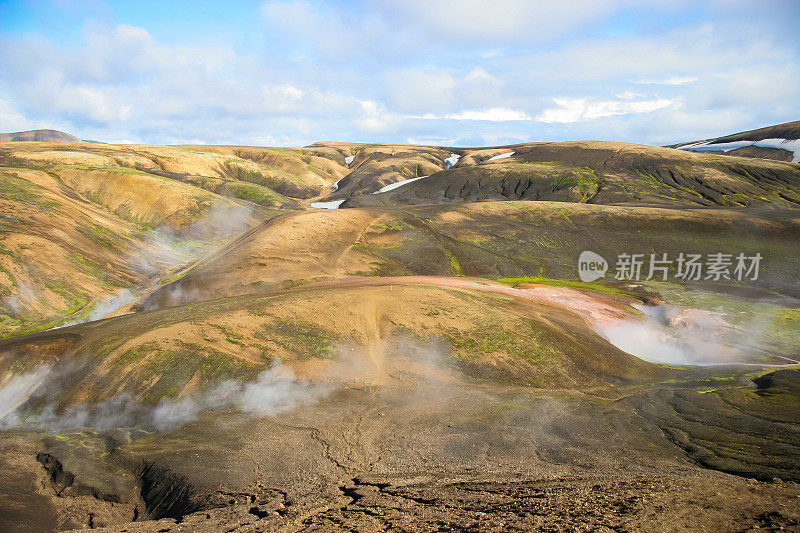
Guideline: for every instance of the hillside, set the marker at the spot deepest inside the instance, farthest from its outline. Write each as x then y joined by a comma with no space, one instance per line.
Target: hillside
380,384
486,239
86,227
780,142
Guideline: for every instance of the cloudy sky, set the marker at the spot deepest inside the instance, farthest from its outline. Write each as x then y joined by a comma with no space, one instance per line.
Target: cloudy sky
451,72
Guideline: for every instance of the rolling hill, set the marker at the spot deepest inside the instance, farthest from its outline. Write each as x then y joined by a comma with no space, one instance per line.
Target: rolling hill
100,205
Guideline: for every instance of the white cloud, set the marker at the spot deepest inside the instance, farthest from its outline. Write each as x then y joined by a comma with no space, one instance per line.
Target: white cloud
121,83
315,28
506,21
11,120
426,116
479,75
432,142
479,89
495,114
297,16
413,90
473,71
672,80
437,93
579,109
629,95
752,85
374,118
674,56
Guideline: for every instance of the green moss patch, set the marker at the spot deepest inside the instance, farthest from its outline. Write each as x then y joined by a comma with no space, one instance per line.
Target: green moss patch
569,283
527,341
16,189
75,300
303,338
234,337
256,194
100,235
160,373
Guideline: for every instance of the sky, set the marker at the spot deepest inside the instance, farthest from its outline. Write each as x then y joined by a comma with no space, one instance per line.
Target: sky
443,72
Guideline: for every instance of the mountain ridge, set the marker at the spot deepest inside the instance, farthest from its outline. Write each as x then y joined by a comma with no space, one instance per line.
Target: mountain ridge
44,135
780,142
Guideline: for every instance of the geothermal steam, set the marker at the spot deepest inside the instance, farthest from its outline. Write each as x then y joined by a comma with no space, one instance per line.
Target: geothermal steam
274,391
20,388
31,400
678,336
168,249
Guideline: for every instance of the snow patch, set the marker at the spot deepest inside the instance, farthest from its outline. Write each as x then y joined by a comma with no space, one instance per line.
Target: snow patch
335,186
501,156
393,186
349,159
333,204
792,145
451,161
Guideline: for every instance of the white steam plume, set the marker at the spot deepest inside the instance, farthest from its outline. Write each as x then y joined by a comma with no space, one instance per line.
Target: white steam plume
18,389
163,250
167,247
274,391
104,306
31,400
679,336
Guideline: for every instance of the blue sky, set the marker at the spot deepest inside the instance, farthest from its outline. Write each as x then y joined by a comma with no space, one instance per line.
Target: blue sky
468,72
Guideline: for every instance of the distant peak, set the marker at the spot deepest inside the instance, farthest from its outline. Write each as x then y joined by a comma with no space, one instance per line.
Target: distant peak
53,136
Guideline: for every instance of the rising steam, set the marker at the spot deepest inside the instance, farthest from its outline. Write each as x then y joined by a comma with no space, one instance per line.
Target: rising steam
275,390
223,221
679,336
166,249
20,388
105,305
423,368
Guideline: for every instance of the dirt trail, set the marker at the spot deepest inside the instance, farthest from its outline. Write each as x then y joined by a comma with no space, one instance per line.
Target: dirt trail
594,307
